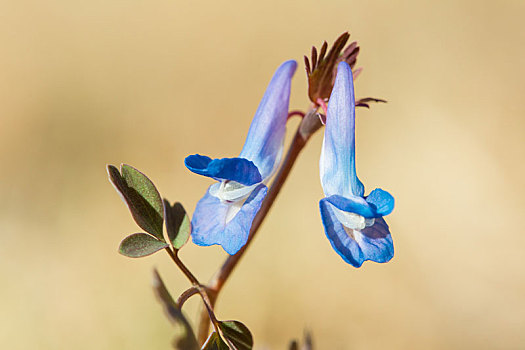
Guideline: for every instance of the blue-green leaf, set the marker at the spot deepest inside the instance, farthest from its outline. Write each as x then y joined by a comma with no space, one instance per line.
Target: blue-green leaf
140,244
141,197
177,224
237,335
215,342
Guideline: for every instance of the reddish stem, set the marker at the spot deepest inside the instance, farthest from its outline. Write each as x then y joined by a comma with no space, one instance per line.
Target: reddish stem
294,113
309,125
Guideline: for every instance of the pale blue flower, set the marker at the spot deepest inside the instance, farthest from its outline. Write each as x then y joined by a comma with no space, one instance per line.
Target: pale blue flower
353,223
224,215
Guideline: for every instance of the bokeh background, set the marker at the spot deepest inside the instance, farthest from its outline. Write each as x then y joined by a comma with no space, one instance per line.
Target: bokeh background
87,83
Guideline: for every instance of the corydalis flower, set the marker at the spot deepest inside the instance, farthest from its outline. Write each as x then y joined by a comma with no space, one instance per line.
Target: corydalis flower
224,215
353,223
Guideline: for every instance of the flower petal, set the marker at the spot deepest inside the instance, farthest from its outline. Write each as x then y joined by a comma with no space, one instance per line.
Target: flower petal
355,247
382,201
376,242
265,138
352,205
223,223
337,163
239,170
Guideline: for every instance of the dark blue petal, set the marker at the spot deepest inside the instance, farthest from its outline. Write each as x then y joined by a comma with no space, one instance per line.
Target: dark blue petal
352,205
381,201
197,162
209,225
377,242
372,243
342,243
239,170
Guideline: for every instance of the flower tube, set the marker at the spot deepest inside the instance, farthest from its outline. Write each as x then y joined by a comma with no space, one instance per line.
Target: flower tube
224,215
353,222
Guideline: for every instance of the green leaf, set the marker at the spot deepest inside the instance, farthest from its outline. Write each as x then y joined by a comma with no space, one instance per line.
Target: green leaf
140,244
184,336
177,224
237,335
215,342
141,197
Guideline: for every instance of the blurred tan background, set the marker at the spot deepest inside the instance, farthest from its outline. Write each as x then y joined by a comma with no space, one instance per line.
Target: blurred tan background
83,84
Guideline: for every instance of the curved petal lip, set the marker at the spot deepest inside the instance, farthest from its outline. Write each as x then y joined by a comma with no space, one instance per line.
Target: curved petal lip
381,201
353,204
240,170
372,243
210,226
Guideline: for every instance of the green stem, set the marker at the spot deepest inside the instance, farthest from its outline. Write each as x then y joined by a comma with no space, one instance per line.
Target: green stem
197,288
186,295
173,255
309,125
209,309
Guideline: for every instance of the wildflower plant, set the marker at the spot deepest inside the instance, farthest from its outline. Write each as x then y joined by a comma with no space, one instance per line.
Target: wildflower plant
231,211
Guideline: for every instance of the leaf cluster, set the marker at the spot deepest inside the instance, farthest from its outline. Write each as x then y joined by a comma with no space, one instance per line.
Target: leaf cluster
150,213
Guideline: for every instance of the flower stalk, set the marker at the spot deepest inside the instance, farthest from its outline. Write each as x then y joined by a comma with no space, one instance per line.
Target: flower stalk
308,126
197,288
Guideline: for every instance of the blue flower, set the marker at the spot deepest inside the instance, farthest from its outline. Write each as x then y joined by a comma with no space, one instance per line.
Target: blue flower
224,215
353,223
